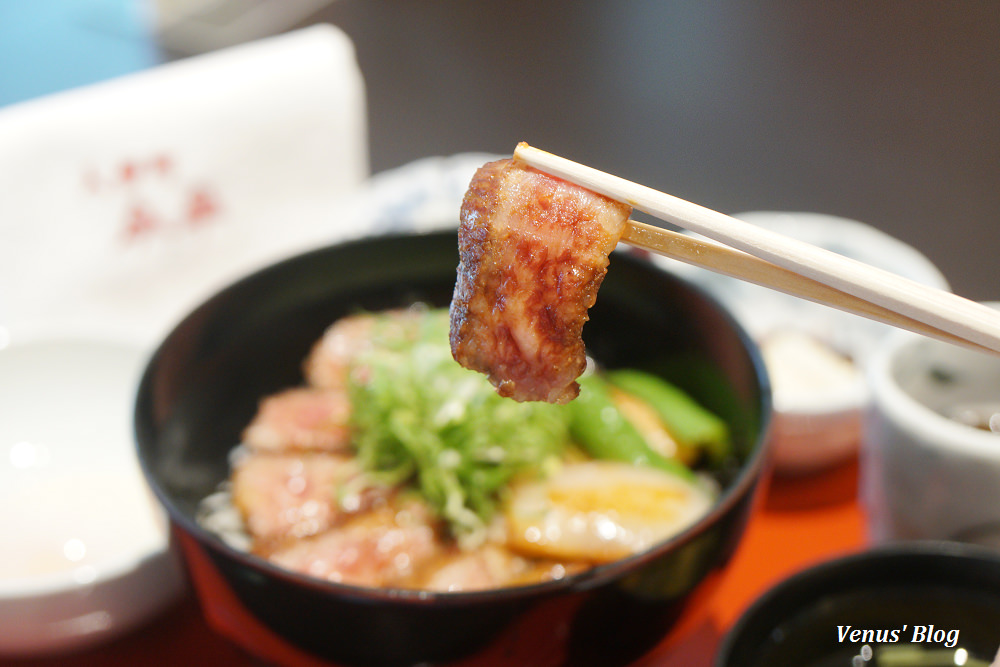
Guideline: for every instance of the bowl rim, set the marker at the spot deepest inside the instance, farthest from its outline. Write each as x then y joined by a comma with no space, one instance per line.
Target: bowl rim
745,481
919,266
806,586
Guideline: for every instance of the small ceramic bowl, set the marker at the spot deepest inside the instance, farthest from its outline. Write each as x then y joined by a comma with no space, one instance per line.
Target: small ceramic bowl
84,552
815,354
929,604
930,463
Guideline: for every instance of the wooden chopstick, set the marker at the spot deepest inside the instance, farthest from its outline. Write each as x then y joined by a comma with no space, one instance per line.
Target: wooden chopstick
738,264
847,284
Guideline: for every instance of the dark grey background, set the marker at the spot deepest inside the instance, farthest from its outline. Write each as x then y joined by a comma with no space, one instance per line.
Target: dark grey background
885,112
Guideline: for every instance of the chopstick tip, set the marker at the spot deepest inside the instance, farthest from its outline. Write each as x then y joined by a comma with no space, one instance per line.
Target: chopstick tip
520,148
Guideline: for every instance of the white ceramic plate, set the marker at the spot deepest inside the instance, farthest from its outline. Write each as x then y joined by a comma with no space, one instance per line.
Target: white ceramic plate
83,547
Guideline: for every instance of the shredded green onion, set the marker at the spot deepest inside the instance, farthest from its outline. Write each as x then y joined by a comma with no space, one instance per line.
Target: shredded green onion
421,418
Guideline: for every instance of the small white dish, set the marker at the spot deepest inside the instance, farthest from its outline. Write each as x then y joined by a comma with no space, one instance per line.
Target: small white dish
84,550
815,354
927,472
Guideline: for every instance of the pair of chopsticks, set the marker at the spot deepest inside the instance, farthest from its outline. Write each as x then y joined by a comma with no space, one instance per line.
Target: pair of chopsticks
742,250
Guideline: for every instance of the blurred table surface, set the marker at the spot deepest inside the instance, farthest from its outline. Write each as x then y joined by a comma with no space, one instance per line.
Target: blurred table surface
798,522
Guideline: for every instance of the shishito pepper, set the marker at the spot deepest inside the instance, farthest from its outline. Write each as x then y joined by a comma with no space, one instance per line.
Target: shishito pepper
598,426
686,420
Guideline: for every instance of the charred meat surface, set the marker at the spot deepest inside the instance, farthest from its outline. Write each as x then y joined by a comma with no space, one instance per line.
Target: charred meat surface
337,352
380,548
533,253
301,418
295,495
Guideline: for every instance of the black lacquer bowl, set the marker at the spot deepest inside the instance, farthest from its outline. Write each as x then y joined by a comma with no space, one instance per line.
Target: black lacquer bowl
203,383
909,603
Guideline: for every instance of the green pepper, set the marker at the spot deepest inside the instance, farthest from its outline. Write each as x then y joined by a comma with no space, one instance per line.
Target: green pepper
688,422
600,429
